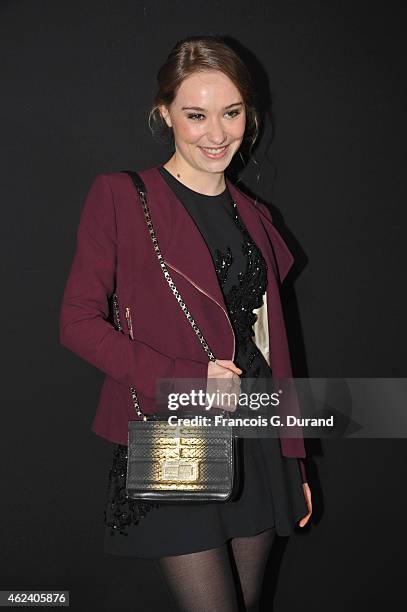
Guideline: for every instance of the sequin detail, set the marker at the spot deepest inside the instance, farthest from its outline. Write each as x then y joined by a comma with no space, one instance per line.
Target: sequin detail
121,512
244,296
223,263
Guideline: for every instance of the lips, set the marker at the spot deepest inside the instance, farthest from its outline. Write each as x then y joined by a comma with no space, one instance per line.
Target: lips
214,152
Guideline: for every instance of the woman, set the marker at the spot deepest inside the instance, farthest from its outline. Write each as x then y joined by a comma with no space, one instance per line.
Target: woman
226,259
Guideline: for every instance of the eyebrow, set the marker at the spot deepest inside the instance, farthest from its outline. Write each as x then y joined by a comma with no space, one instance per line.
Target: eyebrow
199,108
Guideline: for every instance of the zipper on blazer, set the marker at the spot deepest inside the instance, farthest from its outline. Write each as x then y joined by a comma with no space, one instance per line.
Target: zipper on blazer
129,321
116,312
213,300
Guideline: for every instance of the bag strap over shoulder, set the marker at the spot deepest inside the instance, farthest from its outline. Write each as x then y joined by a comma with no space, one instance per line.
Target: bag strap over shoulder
137,180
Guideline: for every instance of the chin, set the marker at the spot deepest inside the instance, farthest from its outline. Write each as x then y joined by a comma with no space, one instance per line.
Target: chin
215,168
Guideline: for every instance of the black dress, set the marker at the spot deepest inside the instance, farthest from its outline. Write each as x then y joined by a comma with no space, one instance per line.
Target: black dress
272,493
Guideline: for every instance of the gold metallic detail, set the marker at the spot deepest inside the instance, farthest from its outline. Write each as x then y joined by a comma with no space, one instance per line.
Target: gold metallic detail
129,321
174,466
179,470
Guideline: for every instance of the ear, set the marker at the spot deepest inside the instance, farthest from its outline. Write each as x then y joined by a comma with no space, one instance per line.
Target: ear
165,114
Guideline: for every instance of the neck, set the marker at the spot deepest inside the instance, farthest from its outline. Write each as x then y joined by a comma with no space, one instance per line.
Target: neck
207,183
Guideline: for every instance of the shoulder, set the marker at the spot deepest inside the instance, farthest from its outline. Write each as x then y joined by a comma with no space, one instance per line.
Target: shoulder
111,197
120,182
115,181
115,186
105,194
264,210
254,204
281,251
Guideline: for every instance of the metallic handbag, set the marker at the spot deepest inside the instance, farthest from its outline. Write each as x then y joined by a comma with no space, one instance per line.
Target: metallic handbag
177,463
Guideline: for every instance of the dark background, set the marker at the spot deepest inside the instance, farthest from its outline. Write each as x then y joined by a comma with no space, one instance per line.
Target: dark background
77,84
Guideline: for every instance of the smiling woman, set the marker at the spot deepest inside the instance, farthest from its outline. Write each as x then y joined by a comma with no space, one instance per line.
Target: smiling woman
227,259
207,138
206,101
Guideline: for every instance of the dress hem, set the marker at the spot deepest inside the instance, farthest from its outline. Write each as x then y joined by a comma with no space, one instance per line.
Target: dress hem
187,552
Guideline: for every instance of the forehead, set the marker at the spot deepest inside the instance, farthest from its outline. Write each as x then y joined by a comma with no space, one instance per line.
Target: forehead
210,87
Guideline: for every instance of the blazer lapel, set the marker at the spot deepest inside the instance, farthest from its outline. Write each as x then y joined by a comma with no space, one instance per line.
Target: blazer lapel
186,251
263,232
248,214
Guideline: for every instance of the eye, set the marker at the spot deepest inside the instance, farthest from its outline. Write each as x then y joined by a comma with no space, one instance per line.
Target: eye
233,113
196,116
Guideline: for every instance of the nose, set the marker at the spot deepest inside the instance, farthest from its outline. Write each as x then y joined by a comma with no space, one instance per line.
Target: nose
216,134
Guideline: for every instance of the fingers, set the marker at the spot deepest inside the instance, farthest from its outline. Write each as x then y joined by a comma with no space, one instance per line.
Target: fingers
225,363
228,383
224,384
307,494
223,369
305,520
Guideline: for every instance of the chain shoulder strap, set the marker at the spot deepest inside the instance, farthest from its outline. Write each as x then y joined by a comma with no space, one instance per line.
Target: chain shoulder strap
142,193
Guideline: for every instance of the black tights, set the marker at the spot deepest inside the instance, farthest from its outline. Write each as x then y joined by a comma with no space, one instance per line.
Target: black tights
219,579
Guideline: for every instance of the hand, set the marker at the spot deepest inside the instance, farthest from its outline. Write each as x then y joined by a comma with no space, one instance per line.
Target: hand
307,494
223,377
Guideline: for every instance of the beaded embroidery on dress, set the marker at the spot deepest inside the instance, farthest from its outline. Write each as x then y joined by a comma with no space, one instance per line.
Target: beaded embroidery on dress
243,293
122,512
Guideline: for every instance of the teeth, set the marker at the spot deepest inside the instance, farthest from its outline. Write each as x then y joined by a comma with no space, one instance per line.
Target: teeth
214,151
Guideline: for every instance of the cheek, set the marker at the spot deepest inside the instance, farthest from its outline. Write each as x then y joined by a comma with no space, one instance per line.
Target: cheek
188,131
239,127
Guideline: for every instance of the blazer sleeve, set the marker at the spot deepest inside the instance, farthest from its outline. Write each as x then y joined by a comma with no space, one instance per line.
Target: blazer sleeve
83,327
301,464
285,261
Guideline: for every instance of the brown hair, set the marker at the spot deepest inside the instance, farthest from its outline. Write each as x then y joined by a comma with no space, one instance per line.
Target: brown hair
198,53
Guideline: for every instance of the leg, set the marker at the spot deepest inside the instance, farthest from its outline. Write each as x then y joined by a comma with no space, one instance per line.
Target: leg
250,556
201,581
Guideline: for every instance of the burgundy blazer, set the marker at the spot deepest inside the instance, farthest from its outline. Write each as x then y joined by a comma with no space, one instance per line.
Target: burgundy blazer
114,253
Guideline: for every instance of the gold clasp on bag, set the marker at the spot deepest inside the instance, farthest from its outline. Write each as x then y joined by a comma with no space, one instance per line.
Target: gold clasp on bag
179,469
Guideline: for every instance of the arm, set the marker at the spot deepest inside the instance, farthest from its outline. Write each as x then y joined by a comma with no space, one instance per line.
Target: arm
83,325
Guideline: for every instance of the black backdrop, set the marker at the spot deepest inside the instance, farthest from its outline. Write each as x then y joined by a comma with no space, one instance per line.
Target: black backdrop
77,84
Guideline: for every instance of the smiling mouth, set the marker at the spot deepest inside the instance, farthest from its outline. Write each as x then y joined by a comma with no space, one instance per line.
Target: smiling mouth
214,152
